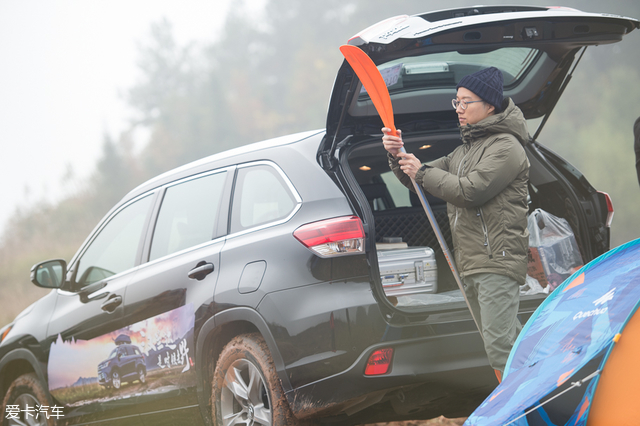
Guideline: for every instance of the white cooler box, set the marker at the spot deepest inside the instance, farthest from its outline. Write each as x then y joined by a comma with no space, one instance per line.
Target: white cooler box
408,271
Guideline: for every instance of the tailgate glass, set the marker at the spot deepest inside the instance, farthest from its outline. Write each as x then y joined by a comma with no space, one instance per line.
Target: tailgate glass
444,70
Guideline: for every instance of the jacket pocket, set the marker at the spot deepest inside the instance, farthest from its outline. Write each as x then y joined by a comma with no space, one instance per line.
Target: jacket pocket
485,231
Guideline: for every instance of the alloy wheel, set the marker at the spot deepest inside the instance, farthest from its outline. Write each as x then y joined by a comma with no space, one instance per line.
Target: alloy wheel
244,398
115,380
30,403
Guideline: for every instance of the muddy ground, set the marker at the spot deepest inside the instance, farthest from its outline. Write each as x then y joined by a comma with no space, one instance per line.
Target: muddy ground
440,421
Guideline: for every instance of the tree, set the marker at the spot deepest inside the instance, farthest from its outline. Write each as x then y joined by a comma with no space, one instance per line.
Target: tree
271,74
180,100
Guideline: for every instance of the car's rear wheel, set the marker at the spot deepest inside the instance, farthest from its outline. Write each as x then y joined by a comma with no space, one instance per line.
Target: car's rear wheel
115,380
26,398
246,387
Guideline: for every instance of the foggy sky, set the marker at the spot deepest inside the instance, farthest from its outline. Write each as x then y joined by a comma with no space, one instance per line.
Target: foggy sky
65,66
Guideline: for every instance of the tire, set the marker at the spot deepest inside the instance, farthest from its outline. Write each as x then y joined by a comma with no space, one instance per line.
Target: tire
115,380
142,375
246,388
25,391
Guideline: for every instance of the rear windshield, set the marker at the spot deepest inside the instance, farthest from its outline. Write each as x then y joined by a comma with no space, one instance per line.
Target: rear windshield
444,70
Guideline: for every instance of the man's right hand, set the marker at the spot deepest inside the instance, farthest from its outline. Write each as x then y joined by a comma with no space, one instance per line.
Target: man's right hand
392,143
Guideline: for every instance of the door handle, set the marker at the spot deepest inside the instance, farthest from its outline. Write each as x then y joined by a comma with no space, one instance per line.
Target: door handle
201,270
111,303
87,293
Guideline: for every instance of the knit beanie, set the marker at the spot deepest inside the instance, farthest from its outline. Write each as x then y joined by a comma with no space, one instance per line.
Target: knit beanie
487,84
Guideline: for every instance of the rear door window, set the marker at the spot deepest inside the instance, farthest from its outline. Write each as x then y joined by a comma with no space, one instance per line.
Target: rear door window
188,215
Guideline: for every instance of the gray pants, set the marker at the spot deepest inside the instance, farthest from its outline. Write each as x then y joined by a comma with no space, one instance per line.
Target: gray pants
494,301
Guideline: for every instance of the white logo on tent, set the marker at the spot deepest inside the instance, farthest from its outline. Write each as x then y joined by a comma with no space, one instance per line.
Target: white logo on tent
604,299
597,311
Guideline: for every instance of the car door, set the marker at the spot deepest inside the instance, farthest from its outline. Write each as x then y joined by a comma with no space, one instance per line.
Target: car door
88,318
127,361
174,284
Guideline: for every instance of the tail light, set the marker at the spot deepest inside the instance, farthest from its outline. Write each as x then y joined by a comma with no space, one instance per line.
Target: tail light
333,237
379,362
609,208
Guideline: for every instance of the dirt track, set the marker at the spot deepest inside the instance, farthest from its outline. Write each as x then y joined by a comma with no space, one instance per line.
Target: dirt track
440,421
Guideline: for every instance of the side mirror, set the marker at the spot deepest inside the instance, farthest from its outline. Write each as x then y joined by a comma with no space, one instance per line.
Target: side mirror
49,274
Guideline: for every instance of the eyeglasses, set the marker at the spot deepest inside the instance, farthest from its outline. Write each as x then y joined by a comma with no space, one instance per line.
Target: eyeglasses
463,104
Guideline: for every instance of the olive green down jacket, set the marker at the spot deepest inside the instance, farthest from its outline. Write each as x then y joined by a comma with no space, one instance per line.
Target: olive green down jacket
484,182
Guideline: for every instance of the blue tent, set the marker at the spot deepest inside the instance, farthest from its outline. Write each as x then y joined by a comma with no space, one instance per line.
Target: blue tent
576,360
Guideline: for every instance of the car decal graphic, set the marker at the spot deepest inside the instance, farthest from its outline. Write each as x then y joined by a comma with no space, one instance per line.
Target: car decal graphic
126,362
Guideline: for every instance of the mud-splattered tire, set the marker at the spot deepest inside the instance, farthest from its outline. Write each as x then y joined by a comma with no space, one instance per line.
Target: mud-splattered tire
25,391
246,388
116,382
142,375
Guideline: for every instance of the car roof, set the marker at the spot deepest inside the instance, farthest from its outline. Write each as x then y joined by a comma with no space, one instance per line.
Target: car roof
222,159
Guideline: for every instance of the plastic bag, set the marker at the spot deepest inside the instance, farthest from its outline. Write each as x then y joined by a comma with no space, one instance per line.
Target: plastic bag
553,251
532,286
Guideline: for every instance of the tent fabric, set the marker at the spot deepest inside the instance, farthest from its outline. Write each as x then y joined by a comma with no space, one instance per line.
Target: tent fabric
578,323
615,401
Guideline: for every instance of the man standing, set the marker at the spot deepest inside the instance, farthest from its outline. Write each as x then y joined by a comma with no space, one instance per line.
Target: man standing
484,182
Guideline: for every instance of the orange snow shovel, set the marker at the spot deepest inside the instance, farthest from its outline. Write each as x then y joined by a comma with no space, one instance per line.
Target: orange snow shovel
373,82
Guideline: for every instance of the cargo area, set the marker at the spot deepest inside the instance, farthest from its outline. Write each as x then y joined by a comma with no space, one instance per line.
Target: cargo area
401,225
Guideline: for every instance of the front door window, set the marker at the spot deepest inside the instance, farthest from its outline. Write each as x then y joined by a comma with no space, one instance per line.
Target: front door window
115,247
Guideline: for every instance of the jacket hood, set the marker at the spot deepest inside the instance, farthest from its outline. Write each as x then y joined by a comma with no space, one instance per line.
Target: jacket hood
510,120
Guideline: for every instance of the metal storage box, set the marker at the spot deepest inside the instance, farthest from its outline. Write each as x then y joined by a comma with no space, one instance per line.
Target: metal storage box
408,271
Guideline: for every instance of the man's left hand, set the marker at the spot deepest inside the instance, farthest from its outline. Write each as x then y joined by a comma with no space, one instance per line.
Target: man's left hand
409,164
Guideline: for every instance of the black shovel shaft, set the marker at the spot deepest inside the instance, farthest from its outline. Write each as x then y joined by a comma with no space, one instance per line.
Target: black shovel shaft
443,245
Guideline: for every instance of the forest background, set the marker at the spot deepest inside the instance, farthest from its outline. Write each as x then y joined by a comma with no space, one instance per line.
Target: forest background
271,74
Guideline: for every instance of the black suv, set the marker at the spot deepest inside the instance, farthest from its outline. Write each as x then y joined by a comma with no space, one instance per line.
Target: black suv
250,279
125,363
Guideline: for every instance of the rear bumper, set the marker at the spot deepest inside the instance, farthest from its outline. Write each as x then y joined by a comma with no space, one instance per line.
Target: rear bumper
442,368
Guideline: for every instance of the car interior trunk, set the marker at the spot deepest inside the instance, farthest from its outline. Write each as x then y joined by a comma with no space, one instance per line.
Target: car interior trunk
400,221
